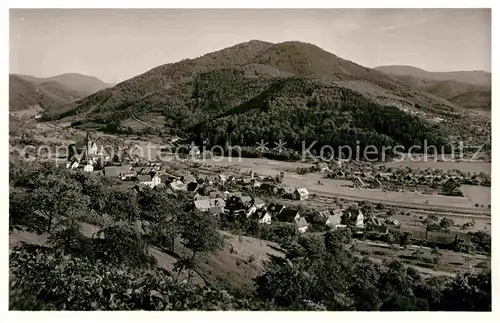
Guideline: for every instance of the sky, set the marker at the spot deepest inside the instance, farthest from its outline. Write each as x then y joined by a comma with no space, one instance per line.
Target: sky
117,44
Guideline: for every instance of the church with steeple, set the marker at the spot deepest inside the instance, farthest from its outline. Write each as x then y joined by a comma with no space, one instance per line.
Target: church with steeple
84,151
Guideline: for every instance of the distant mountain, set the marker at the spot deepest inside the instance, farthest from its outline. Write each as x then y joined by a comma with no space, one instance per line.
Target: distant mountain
24,94
470,89
83,84
27,90
259,90
477,78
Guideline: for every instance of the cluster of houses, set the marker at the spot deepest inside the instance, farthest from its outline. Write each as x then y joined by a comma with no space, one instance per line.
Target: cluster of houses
402,180
85,155
237,204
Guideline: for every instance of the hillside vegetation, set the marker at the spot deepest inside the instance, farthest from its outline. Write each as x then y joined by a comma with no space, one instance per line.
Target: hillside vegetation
257,90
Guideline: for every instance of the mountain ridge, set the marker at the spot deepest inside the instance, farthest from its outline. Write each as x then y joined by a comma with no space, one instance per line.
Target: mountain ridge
27,90
476,77
187,97
470,89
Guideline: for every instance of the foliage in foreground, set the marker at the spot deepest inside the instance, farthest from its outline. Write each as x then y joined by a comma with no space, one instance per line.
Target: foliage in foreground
42,280
113,269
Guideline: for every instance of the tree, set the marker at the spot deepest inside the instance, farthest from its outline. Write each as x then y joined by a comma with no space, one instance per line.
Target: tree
199,232
418,254
436,254
56,197
445,224
404,240
451,187
367,207
431,222
468,292
121,204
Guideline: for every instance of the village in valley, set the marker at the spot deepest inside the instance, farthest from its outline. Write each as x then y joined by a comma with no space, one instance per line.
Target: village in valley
383,229
251,172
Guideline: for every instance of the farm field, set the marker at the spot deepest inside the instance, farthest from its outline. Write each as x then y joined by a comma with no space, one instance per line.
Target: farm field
261,166
337,188
473,167
477,194
403,198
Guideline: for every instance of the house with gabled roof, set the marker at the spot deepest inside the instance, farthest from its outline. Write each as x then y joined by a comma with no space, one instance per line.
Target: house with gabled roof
256,205
149,180
321,216
331,219
301,224
177,185
214,206
264,217
301,194
118,171
334,221
441,238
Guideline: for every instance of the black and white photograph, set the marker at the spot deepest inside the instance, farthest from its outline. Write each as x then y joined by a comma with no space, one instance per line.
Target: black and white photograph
325,159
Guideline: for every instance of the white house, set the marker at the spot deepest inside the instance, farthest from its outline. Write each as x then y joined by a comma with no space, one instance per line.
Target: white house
156,180
334,219
74,165
301,223
88,168
301,194
194,152
360,220
354,214
148,180
265,218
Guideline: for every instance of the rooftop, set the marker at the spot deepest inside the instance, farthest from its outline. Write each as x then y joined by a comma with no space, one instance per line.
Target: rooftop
115,171
302,191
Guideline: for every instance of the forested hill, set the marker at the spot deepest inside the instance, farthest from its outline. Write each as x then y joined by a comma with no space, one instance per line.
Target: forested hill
258,90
